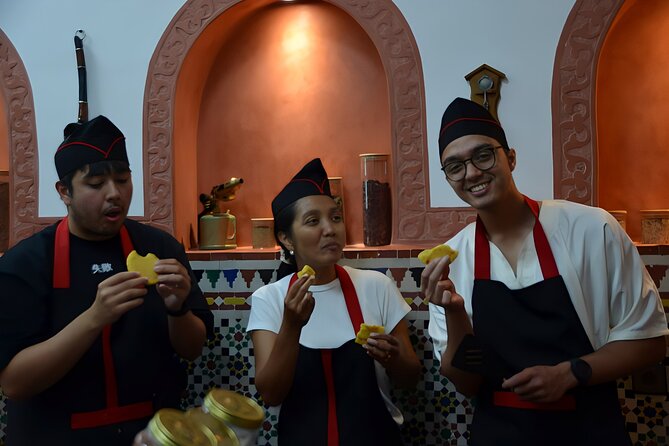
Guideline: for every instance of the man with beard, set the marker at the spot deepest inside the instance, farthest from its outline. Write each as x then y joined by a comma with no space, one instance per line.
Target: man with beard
88,350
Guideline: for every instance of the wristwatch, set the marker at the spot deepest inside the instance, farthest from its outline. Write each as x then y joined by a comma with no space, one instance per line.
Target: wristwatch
581,370
185,308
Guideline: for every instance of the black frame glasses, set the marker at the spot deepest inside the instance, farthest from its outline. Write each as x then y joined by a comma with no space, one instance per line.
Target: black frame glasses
483,159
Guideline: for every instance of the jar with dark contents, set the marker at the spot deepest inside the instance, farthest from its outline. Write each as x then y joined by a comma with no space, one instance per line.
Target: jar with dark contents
376,199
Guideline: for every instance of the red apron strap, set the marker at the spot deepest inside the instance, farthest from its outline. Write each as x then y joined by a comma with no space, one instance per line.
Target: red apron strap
333,426
126,243
511,399
544,253
355,314
111,388
351,298
111,415
61,256
481,252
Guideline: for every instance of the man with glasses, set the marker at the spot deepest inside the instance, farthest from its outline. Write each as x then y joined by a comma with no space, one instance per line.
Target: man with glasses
546,306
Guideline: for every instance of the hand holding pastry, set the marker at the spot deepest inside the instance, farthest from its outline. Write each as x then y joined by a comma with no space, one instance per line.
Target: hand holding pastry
306,270
299,303
173,283
143,265
117,295
365,330
435,284
382,347
169,275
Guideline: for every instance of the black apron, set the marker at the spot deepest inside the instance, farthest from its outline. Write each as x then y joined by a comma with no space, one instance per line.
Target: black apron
537,325
335,398
127,373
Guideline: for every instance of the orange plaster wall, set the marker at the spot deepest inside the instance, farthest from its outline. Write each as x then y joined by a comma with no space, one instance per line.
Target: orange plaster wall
190,85
291,82
632,106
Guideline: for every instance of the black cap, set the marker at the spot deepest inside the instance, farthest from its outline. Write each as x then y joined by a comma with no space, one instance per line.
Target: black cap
464,117
312,179
87,143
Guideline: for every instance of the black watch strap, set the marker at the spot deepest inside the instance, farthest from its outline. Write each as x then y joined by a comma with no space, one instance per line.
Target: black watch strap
581,370
185,308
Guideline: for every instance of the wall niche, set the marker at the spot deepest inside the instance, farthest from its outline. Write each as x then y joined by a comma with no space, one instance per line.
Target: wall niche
375,69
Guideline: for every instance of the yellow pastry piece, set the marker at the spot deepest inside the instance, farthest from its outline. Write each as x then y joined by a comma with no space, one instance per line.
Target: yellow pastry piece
306,270
365,330
437,252
143,265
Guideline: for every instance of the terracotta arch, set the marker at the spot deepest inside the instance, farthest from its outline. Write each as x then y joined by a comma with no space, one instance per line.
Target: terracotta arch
414,222
23,162
573,99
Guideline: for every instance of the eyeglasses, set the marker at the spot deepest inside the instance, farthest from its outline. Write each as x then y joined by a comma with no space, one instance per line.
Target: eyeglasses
483,159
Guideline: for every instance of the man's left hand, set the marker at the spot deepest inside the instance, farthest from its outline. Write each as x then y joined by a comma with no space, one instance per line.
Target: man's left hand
173,283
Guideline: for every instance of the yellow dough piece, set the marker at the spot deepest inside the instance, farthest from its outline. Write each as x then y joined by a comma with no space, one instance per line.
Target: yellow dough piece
143,265
364,332
306,270
436,252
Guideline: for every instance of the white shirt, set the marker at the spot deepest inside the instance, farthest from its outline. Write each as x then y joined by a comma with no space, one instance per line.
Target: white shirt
330,325
613,294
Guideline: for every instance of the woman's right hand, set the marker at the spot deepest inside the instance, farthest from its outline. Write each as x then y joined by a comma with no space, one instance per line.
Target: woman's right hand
299,303
438,288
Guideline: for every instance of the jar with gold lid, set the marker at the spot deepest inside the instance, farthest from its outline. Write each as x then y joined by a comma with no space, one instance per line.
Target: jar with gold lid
240,413
171,427
224,435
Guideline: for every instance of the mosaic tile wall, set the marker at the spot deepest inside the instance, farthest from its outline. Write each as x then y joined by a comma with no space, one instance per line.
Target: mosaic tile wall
435,414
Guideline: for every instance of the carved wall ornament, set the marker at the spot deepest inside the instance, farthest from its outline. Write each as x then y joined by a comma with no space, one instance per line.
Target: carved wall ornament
17,98
573,99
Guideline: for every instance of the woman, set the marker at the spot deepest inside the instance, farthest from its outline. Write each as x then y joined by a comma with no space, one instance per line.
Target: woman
331,390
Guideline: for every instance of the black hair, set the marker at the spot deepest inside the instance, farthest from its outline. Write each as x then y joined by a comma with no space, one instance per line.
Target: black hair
95,169
283,222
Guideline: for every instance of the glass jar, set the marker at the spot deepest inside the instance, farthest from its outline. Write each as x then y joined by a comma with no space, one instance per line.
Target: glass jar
224,435
262,233
376,199
240,413
655,226
171,427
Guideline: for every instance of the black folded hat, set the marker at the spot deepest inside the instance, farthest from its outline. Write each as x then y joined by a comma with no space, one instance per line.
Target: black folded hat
464,117
90,142
312,179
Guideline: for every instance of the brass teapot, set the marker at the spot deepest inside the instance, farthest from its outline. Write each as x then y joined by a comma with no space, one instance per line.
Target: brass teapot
216,229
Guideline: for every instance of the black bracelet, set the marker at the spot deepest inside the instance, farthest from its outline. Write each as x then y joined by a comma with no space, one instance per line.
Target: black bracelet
180,312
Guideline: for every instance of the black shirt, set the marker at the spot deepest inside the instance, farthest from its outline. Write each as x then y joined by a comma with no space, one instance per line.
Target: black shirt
31,311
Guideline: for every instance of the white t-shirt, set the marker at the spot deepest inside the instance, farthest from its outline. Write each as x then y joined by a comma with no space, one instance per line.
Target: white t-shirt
608,283
330,325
